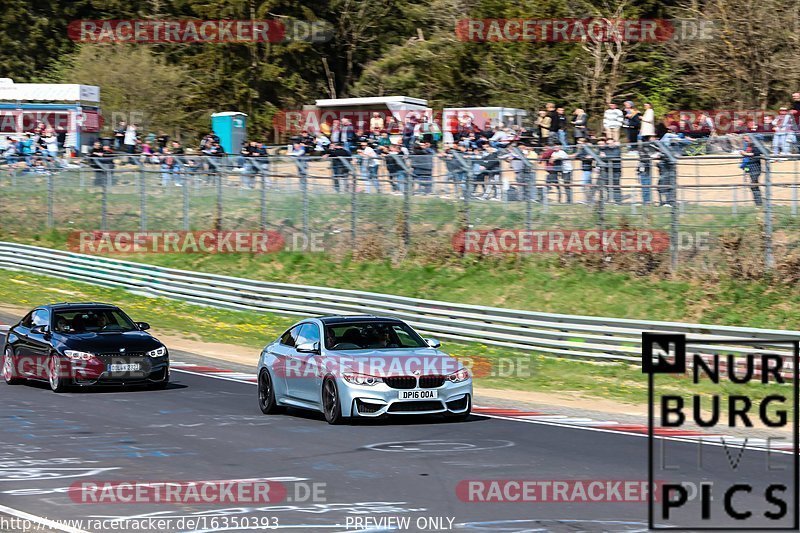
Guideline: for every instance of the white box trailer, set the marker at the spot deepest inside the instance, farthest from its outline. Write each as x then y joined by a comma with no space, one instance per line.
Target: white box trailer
482,117
360,110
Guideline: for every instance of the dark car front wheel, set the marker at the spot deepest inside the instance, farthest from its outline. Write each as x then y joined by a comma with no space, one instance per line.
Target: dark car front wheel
9,368
266,394
55,375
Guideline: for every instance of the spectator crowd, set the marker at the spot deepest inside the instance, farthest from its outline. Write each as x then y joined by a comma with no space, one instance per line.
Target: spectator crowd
573,155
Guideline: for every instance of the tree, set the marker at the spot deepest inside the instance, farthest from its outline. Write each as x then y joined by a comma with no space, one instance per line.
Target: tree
137,85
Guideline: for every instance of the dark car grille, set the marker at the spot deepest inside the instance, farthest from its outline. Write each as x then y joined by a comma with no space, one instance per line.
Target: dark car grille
431,382
401,382
121,356
410,382
404,407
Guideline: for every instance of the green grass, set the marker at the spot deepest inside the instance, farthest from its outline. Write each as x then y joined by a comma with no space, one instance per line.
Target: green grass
494,367
533,283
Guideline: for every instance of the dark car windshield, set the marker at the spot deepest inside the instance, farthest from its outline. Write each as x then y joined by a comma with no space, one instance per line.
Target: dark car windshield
371,335
91,320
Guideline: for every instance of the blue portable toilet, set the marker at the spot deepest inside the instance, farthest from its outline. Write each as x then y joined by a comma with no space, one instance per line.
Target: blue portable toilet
231,128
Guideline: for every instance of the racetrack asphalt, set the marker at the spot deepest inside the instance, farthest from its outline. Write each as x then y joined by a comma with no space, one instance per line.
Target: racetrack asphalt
202,428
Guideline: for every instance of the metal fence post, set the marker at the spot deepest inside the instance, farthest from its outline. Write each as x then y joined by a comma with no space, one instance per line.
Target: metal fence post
304,191
469,181
353,208
104,203
142,198
794,189
671,166
50,199
186,220
406,185
264,173
218,183
529,172
769,258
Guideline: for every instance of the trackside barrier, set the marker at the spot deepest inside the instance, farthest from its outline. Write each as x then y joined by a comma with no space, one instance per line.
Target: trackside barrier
590,337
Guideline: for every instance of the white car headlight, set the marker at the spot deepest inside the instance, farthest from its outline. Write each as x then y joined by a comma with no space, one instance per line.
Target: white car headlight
158,352
459,376
78,356
361,379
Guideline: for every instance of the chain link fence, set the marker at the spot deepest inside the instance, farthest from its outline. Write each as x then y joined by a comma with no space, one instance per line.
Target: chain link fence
718,210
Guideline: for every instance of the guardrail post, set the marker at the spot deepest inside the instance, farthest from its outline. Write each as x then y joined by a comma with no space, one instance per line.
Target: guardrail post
766,155
142,198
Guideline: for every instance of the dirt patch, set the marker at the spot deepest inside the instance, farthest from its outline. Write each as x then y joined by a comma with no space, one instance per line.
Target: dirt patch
575,401
215,350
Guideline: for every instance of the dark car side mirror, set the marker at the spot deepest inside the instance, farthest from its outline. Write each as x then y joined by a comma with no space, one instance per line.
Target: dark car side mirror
40,330
308,347
144,326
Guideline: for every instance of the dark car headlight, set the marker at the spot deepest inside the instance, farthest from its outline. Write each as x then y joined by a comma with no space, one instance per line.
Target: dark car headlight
459,375
161,351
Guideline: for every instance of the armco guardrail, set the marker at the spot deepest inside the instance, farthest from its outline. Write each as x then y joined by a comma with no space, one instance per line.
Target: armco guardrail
556,334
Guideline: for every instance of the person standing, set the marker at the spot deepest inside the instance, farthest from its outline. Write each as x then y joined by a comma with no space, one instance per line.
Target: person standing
563,162
544,123
612,121
613,156
339,168
119,135
587,163
784,126
561,121
751,164
645,172
648,130
580,124
632,122
96,160
130,141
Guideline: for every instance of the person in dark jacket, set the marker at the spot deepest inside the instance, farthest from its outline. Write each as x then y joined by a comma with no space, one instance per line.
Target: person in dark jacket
613,157
339,168
751,164
422,162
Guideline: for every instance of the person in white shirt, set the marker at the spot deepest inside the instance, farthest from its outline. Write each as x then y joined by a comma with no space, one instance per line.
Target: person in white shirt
369,167
612,121
131,137
562,161
648,130
784,126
